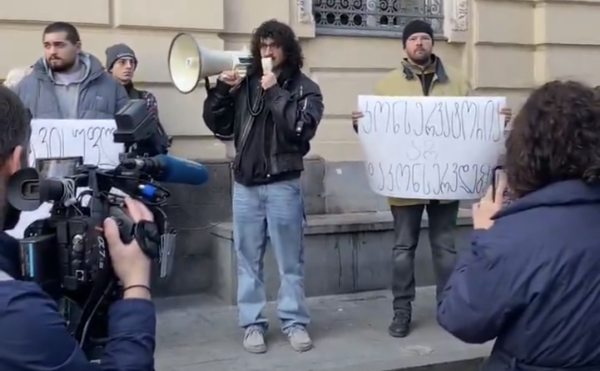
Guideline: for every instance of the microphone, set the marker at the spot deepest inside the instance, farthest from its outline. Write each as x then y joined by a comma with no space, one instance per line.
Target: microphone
169,169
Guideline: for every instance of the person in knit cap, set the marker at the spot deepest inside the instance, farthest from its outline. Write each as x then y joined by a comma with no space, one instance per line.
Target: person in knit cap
121,63
420,73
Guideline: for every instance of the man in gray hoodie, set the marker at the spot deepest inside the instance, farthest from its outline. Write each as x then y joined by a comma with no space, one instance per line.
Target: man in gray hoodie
68,83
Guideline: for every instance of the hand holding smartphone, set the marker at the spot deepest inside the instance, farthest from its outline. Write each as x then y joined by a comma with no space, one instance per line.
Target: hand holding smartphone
499,181
491,202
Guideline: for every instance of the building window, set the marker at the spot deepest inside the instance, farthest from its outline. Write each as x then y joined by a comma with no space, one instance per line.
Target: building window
374,17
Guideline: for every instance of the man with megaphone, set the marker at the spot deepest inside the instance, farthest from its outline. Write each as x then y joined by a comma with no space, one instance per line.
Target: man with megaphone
271,114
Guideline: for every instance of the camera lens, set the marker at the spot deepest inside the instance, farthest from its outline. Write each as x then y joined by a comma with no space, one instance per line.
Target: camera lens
51,190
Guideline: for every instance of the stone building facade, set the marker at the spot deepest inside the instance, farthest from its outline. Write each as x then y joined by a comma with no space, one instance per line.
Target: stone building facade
505,47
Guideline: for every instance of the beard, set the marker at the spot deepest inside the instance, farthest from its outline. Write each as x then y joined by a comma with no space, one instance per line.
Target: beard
10,259
422,59
62,67
11,218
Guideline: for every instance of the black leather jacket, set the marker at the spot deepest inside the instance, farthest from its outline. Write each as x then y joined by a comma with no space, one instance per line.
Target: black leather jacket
296,108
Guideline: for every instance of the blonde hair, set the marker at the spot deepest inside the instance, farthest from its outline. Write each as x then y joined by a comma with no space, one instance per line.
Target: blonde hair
16,75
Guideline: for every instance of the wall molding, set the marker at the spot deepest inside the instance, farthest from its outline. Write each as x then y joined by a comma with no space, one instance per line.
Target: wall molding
456,20
304,11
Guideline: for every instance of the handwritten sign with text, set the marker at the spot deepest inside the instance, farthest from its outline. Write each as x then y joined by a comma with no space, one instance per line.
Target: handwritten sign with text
439,148
92,139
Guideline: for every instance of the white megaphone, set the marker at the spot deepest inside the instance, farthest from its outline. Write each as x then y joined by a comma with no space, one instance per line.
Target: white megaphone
189,62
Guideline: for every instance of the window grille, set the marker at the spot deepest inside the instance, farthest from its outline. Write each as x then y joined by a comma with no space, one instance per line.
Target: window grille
374,17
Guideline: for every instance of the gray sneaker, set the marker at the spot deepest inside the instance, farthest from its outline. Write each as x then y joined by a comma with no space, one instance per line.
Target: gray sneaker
254,340
299,339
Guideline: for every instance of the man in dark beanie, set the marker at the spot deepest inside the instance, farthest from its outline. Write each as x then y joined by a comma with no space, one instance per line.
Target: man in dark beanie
421,73
121,63
414,29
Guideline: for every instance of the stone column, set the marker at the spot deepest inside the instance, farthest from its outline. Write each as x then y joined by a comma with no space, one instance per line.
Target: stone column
456,20
304,11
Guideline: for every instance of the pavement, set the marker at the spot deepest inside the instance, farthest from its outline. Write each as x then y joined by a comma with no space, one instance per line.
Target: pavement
198,333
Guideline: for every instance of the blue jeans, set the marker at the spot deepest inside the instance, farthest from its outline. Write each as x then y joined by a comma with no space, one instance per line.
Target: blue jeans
275,210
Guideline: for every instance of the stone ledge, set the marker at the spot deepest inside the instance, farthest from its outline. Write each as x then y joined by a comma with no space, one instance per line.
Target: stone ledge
343,254
349,223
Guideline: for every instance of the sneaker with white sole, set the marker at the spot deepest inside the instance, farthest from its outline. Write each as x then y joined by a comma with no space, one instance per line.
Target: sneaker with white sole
254,340
299,339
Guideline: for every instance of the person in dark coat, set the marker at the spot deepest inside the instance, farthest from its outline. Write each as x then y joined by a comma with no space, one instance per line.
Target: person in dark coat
35,336
531,279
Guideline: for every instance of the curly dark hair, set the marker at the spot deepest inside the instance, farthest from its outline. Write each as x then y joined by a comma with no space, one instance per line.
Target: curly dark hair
555,137
282,35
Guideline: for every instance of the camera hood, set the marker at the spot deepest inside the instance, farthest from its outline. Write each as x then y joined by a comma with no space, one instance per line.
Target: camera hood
23,189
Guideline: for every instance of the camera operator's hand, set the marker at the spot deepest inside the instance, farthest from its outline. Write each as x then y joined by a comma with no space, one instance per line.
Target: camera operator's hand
130,263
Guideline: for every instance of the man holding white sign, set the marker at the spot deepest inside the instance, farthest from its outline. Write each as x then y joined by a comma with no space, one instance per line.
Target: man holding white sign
403,141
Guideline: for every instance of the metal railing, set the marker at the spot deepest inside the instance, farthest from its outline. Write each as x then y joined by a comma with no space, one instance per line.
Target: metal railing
385,18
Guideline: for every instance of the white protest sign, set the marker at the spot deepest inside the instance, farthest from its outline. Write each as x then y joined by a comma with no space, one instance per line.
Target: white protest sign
439,148
91,139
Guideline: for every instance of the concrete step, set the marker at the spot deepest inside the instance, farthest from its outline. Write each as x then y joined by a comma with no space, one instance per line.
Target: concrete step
334,192
349,333
344,253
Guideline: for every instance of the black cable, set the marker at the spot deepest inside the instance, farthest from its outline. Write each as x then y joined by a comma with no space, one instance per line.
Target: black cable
109,288
256,108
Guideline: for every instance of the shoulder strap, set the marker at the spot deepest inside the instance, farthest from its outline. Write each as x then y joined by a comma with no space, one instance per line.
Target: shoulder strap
135,94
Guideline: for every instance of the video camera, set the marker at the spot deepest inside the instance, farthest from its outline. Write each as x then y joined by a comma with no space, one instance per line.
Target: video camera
66,254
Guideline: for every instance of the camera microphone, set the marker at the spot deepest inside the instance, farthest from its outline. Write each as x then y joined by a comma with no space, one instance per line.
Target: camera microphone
169,169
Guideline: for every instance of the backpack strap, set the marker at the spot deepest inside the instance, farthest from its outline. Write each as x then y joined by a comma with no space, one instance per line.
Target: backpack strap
136,94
